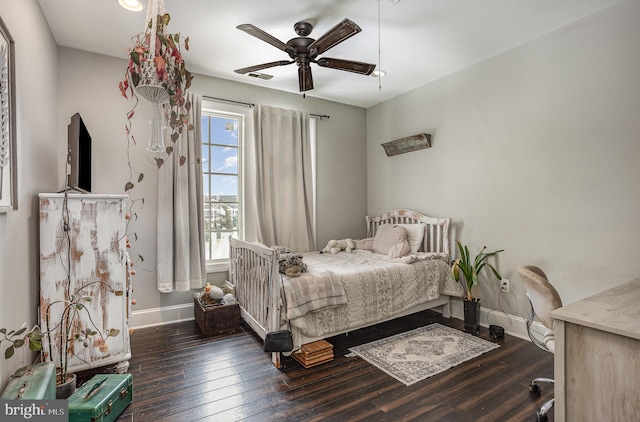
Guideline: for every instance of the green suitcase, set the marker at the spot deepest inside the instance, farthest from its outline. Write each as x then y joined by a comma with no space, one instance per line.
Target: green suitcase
35,382
103,398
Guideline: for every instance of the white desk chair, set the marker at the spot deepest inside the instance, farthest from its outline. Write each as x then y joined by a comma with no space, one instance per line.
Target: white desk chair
544,299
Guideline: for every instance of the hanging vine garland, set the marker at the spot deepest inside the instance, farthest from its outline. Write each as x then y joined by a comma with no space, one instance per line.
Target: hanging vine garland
156,72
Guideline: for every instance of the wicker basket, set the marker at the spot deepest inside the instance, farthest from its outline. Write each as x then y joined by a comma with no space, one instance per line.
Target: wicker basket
216,319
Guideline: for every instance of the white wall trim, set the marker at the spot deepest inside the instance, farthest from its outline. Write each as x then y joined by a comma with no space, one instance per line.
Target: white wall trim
513,325
160,316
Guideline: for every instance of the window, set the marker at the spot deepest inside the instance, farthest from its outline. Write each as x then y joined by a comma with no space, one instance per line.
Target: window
229,191
222,142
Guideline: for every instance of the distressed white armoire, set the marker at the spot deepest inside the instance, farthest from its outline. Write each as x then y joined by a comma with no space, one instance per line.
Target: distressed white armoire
83,260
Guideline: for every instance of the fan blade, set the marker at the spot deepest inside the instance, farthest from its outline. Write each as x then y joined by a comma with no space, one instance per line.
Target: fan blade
260,34
262,66
305,79
345,29
348,65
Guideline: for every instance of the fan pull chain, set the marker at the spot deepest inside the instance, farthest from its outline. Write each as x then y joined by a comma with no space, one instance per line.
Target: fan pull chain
304,83
379,68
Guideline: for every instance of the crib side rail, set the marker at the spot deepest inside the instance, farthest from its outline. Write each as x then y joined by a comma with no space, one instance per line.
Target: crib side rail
253,270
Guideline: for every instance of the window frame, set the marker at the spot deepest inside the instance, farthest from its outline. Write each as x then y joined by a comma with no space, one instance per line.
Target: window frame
248,208
244,117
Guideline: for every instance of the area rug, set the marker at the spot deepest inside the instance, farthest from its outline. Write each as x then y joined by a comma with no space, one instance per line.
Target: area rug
421,353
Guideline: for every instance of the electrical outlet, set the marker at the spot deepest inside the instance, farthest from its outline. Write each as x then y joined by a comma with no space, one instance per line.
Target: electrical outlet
504,285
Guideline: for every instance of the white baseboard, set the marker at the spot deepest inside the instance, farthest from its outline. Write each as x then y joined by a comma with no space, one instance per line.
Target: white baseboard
513,325
160,316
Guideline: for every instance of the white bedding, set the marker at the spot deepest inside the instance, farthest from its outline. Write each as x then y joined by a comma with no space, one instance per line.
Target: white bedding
376,287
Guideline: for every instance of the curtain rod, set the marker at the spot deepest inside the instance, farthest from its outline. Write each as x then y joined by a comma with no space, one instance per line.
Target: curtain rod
207,97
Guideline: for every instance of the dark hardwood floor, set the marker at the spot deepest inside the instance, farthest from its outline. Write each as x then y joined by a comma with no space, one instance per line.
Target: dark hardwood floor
182,375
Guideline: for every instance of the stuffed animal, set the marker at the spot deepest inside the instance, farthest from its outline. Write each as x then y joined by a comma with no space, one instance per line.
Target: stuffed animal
335,246
289,262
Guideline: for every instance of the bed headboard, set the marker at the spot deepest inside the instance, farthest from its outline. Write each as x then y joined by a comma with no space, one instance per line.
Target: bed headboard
436,230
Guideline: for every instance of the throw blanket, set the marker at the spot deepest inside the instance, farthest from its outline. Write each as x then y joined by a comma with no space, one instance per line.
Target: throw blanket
312,291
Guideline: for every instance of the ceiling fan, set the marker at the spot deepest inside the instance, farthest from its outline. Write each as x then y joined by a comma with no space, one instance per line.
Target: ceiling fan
304,50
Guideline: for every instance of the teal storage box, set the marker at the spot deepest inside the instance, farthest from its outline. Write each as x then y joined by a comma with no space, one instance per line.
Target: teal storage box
102,399
35,382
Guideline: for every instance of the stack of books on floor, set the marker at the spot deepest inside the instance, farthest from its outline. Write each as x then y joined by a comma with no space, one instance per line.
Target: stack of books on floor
312,354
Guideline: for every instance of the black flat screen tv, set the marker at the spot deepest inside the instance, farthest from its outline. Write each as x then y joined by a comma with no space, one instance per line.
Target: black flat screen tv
79,155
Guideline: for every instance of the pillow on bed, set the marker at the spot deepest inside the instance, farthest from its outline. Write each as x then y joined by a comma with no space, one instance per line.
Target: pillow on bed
365,244
391,240
415,235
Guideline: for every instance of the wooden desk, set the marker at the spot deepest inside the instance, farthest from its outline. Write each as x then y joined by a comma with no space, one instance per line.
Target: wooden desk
597,357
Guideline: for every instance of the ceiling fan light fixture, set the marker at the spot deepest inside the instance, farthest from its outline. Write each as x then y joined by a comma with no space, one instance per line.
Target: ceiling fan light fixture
132,5
304,51
378,73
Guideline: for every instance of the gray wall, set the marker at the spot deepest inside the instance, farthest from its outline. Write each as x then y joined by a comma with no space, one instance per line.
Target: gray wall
535,151
88,84
36,91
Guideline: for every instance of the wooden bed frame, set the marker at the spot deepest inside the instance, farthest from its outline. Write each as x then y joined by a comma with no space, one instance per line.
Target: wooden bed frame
253,270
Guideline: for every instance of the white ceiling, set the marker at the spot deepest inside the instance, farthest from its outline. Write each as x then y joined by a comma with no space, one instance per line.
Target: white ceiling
421,40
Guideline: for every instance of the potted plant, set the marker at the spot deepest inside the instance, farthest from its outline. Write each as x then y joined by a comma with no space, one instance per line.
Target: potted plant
66,329
157,72
470,270
62,335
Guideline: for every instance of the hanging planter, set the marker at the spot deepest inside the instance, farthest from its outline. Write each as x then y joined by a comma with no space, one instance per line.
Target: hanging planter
157,73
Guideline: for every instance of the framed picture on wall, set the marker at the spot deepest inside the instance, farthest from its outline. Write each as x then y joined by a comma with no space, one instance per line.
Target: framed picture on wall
8,157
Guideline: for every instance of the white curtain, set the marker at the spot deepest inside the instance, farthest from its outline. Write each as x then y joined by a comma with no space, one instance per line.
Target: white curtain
284,182
180,244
